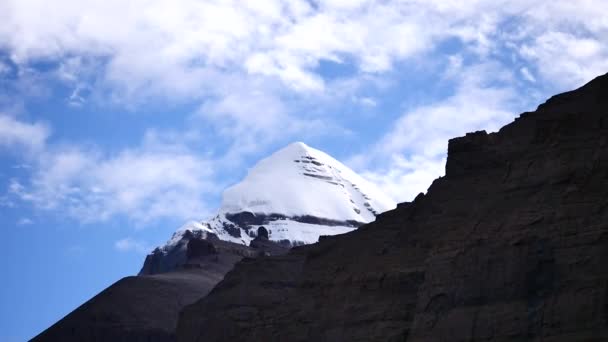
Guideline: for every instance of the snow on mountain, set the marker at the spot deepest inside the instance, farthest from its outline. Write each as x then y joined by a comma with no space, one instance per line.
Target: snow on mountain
189,226
298,194
299,180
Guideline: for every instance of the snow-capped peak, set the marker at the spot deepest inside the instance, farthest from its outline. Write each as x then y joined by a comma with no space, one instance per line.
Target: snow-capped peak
300,180
298,194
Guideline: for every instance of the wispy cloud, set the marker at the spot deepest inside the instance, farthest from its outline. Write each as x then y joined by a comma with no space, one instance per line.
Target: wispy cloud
161,46
197,50
253,71
566,58
408,158
16,134
365,101
158,179
182,49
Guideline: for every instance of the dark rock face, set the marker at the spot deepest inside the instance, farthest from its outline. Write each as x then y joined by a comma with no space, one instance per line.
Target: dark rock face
162,261
200,248
262,233
139,309
145,308
510,245
265,247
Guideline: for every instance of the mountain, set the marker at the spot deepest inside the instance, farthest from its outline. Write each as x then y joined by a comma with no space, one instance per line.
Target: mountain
290,198
145,308
297,194
510,245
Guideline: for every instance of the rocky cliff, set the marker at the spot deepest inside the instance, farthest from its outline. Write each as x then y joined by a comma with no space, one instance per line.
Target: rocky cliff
510,245
145,308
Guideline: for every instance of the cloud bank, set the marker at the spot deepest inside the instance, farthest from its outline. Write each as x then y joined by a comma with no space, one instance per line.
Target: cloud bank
255,73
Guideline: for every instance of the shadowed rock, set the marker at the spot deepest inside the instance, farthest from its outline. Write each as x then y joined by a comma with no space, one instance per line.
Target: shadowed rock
510,245
145,308
262,233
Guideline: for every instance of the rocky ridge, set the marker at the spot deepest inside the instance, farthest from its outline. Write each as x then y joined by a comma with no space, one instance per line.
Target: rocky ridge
145,308
290,198
510,245
298,194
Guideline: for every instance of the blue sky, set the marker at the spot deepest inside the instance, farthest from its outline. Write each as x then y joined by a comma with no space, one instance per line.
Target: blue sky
120,122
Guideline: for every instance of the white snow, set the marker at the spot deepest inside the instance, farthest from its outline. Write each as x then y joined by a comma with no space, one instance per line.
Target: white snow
300,180
296,232
177,236
297,180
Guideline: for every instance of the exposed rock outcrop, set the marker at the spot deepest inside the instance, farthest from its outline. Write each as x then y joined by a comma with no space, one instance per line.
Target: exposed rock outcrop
510,245
175,254
298,193
145,308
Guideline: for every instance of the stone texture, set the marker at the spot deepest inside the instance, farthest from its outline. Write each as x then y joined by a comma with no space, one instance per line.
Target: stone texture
162,260
145,308
510,245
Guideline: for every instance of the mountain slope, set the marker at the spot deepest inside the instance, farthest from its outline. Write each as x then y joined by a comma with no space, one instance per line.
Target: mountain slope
511,245
299,180
298,193
294,196
145,308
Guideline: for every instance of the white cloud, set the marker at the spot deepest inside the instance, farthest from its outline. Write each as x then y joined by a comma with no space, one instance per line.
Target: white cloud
180,48
139,184
193,49
525,72
406,177
130,245
15,134
252,114
567,59
365,101
475,105
246,111
161,178
249,65
408,158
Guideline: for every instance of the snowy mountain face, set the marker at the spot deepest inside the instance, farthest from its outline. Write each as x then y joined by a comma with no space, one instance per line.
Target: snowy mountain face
297,194
174,253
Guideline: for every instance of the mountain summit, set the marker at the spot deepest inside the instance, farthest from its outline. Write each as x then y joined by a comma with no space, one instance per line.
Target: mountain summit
296,195
290,198
510,245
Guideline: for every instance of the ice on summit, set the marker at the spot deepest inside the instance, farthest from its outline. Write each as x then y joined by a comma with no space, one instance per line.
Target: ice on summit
298,194
300,180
